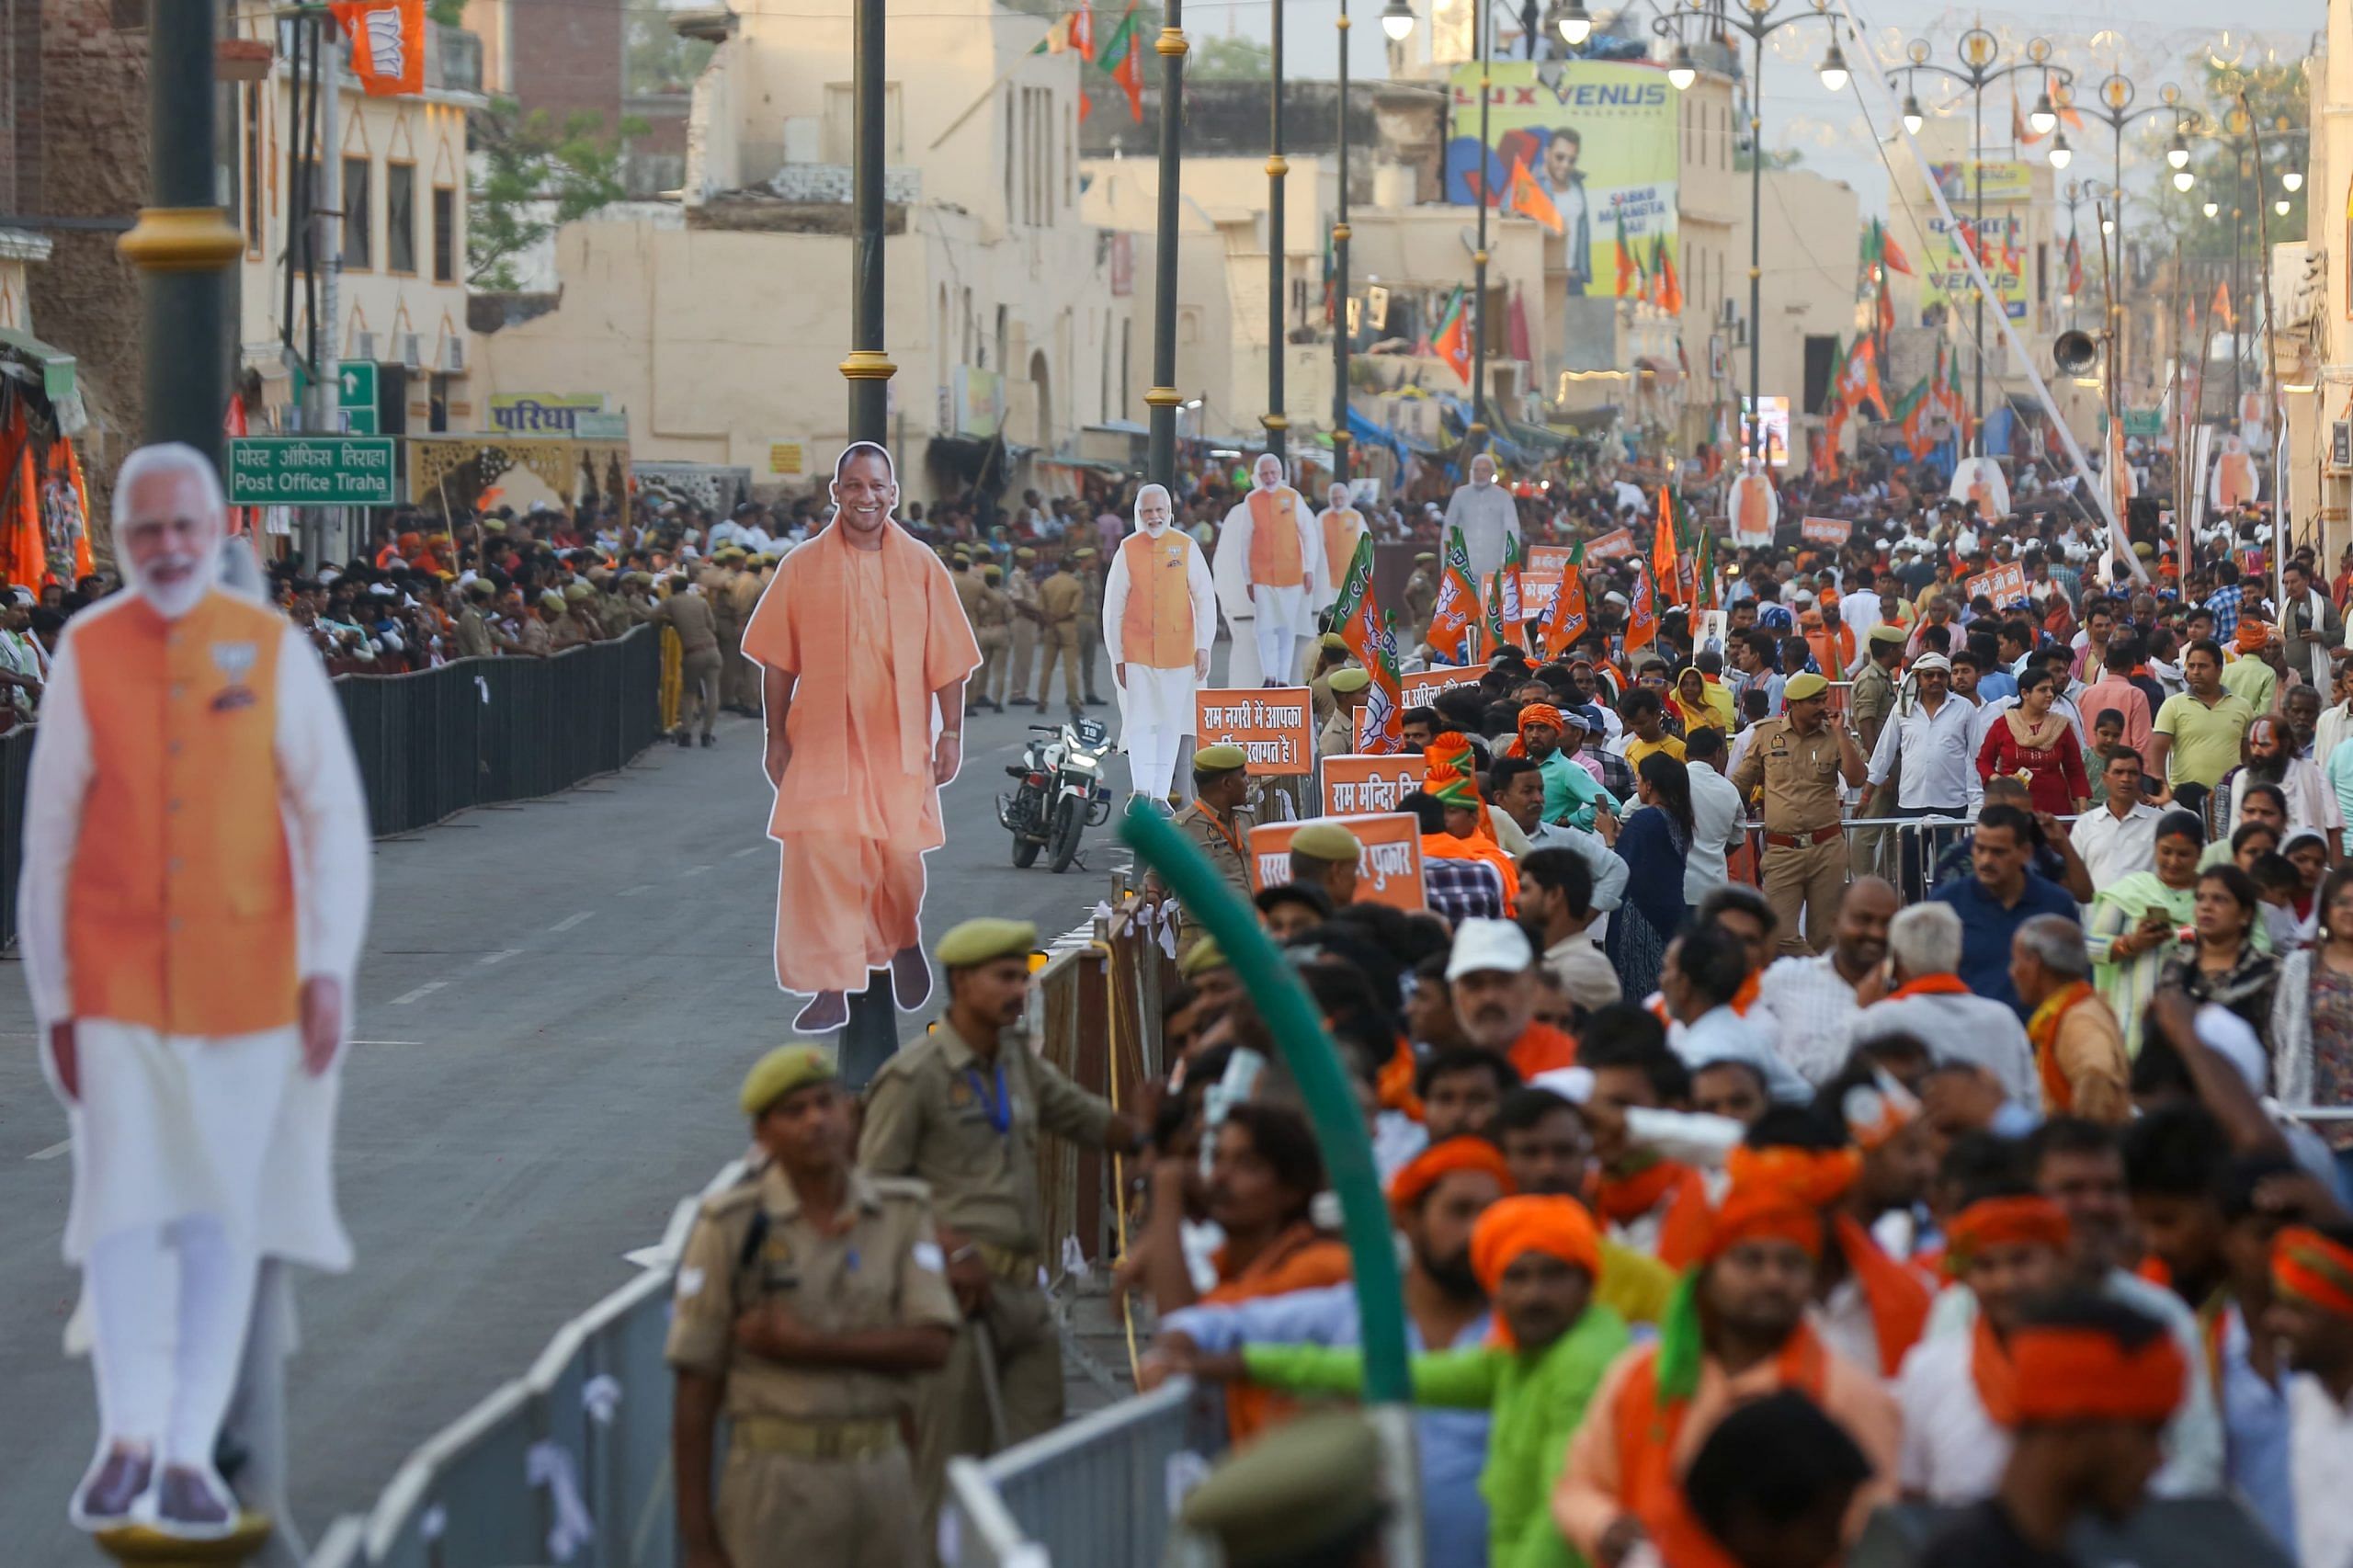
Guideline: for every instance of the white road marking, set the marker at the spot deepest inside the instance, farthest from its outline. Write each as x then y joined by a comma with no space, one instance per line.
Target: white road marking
383,1042
569,921
427,989
747,850
51,1152
695,870
628,893
499,957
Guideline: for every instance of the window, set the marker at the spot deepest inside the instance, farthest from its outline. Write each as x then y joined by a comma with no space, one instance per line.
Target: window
358,207
400,218
445,234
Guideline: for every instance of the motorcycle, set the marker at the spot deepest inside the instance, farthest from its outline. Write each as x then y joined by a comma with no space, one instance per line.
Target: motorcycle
1060,792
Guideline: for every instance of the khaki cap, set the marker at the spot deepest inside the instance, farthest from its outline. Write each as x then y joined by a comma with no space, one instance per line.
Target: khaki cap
1800,687
1350,679
985,940
1224,758
783,1070
1326,841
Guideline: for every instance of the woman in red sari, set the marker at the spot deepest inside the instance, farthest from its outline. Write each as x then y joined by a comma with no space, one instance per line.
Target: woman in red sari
2039,745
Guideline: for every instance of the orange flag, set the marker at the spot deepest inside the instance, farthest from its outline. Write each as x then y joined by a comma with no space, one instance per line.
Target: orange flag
1663,551
1528,199
387,39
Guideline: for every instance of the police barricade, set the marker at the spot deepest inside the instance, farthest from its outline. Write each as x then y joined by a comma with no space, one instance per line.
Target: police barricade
479,732
569,1464
1904,850
1099,1493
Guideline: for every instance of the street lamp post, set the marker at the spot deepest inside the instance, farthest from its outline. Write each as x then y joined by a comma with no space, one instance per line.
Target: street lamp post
1340,448
1484,31
2114,97
1276,168
1758,19
1978,49
869,369
184,241
1163,399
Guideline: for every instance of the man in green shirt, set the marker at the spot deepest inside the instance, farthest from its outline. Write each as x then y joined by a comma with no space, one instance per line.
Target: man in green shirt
1551,736
1537,1258
2199,732
2255,674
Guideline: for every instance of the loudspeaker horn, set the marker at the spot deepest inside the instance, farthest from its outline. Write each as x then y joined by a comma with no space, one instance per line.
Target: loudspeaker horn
2074,352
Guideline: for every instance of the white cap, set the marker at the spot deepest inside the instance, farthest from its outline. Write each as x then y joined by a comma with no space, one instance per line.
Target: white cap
2230,1038
1482,944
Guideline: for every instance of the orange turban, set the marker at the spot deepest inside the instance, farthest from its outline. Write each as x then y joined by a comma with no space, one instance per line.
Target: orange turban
2063,1373
1509,1231
1418,1176
2313,1268
1542,713
1818,1178
1996,1222
1448,774
2253,635
1763,1212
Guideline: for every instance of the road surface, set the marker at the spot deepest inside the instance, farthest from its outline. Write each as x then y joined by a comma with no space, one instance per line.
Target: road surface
557,1002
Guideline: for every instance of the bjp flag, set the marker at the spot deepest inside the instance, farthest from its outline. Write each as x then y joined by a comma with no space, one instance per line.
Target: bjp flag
1528,199
387,41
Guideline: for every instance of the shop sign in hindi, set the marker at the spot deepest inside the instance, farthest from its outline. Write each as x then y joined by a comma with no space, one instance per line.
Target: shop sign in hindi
1389,871
1271,724
311,471
543,414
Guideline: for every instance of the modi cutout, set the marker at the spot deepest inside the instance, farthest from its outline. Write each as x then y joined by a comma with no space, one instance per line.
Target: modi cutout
864,651
1755,509
1341,526
1269,572
1159,623
194,893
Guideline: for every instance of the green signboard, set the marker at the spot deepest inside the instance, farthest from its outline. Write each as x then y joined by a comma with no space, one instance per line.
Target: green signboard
311,471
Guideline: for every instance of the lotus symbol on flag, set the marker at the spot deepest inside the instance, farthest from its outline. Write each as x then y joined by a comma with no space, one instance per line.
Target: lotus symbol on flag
387,48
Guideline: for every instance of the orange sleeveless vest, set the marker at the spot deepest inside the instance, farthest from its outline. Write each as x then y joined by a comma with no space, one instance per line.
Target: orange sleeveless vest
1341,527
1156,625
1274,539
180,913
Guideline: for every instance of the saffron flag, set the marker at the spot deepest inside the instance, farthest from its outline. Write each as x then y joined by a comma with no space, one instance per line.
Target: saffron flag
1511,598
1912,412
1567,620
2221,308
1453,340
1371,641
1082,31
387,39
1124,61
1704,589
1858,377
1494,633
1629,272
1669,287
1528,199
1886,312
1642,617
2074,265
1663,544
1890,255
1457,605
1834,401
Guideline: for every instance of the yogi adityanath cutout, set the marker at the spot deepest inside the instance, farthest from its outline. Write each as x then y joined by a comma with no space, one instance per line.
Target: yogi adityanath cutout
1270,575
194,893
865,651
1340,525
1159,623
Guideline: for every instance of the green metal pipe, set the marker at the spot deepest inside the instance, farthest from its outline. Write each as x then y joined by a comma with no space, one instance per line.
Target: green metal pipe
1332,1109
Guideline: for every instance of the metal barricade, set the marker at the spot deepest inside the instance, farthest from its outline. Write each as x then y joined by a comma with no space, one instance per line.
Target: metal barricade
1906,854
1099,1493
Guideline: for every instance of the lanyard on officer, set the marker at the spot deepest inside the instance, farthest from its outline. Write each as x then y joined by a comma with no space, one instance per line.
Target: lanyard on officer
1000,1109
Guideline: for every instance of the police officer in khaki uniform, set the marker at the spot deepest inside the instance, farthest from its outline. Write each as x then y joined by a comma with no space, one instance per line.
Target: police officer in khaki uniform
991,623
719,589
1217,821
1868,704
963,1109
689,613
1338,736
1021,592
1059,599
1799,761
811,1295
1090,620
969,592
1421,597
473,640
740,683
1331,653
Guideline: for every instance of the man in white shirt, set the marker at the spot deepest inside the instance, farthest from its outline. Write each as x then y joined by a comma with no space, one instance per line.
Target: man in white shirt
1716,810
2118,837
1931,1003
2312,1310
1815,999
1929,734
1486,514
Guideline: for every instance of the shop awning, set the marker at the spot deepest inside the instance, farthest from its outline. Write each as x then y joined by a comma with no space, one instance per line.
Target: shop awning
56,369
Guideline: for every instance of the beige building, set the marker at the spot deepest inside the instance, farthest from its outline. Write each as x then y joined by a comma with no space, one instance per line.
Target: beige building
2311,293
400,284
1008,313
1812,227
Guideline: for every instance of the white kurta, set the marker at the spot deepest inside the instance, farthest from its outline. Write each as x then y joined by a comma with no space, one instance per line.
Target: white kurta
1156,705
1486,518
1261,618
171,1126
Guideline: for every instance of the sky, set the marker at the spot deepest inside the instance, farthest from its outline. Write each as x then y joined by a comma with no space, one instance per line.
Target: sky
2149,41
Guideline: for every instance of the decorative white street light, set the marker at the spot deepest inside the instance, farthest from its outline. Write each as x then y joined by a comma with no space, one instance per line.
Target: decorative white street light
2177,151
2042,116
1682,70
1397,21
2061,154
1833,70
2183,180
1913,118
2293,179
1576,26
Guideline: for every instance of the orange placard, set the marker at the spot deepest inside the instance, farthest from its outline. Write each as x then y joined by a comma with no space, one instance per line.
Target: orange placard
1825,530
1422,688
1540,578
1612,545
1389,872
1273,724
1360,782
2005,585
